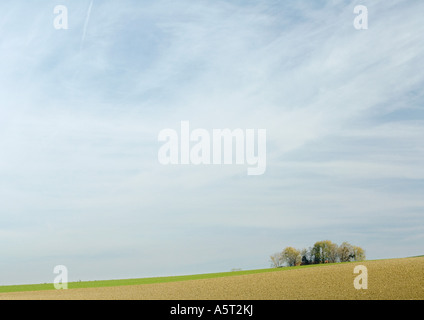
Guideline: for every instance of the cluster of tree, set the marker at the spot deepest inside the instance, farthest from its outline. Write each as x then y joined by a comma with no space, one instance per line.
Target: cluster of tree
322,252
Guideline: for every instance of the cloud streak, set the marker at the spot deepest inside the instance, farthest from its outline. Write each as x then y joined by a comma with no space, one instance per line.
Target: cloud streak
87,19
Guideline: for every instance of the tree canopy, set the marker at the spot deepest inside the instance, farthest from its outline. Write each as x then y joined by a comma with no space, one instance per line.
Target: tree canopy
324,251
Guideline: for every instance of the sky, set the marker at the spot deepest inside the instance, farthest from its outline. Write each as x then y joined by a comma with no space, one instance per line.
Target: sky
81,109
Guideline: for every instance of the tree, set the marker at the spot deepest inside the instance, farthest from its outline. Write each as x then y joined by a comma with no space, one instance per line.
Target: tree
291,256
332,252
321,252
318,252
298,261
306,255
345,252
358,253
324,251
276,260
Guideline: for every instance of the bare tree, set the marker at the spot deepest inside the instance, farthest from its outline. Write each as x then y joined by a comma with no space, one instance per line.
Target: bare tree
276,260
345,252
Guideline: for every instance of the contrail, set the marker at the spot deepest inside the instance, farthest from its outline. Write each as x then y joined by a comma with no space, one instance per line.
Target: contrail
86,24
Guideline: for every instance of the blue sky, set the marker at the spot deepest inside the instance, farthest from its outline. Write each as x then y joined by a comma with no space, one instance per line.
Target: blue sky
80,111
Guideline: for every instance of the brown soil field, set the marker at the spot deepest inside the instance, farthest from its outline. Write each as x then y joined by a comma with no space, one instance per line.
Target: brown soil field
394,279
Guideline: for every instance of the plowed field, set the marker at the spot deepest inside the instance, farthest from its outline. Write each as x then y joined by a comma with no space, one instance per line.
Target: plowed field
387,279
